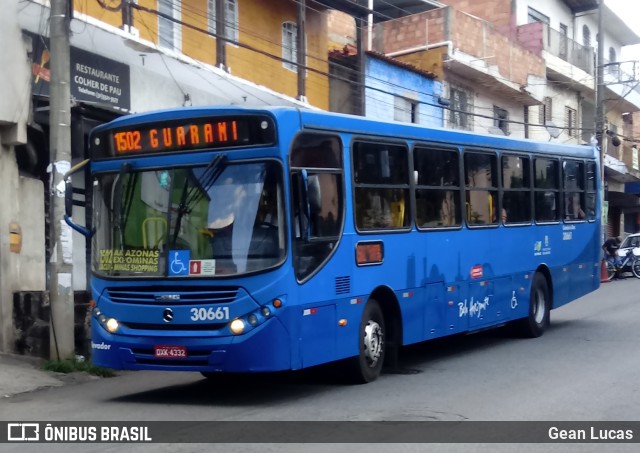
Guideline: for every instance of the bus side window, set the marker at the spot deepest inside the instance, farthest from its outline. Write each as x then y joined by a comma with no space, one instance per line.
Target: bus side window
381,185
516,186
480,170
437,180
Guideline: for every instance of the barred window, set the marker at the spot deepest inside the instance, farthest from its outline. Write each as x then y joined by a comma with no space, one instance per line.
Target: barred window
571,121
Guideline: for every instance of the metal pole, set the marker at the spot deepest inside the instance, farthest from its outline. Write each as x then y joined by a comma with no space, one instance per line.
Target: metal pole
60,283
301,45
600,110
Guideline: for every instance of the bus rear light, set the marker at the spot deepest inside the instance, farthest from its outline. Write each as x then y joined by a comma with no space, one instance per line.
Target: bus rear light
253,319
265,312
342,322
277,303
96,312
102,319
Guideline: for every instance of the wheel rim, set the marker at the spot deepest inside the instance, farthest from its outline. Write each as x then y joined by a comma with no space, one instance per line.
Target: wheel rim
373,342
539,307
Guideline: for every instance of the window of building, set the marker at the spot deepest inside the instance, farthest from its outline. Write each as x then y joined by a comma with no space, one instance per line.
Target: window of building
481,178
570,121
586,36
516,185
290,46
501,119
458,118
405,110
536,16
613,66
546,190
169,31
564,41
231,29
545,111
381,186
437,178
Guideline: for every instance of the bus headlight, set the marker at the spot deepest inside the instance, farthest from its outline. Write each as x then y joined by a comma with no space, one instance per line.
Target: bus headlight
237,326
111,325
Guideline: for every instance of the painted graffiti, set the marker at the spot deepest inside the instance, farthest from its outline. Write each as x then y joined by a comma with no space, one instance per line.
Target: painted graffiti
473,307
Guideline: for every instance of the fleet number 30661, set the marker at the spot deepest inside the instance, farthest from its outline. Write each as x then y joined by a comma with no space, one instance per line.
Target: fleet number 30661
210,314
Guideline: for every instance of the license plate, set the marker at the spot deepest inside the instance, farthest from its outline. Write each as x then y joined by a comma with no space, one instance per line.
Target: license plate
170,352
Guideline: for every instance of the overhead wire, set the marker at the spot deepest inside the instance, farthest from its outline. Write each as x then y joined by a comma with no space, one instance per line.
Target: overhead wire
192,12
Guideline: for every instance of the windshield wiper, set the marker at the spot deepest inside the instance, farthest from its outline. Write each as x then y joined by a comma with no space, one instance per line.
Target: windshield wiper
191,196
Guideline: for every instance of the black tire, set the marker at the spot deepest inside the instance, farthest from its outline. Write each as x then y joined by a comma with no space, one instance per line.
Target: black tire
635,267
537,322
367,365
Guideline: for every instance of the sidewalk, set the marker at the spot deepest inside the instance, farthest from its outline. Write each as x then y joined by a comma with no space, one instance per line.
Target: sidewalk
19,374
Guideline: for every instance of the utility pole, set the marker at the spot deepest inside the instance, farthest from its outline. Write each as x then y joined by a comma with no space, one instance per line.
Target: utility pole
600,112
61,269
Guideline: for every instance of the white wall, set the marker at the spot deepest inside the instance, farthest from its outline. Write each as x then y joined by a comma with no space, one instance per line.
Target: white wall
483,105
558,12
560,98
15,78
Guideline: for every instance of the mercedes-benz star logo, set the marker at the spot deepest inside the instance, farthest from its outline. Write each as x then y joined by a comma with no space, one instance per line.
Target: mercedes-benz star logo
167,315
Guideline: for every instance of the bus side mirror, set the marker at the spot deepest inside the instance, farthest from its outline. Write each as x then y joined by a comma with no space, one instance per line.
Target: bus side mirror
68,200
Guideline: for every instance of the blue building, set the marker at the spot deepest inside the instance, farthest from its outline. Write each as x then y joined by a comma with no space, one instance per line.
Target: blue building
396,91
393,90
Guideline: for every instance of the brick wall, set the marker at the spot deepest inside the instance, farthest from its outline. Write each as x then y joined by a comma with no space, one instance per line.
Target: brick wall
342,30
469,35
411,31
498,12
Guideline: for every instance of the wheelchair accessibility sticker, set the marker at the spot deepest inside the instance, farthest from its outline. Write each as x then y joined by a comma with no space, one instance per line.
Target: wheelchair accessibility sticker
179,262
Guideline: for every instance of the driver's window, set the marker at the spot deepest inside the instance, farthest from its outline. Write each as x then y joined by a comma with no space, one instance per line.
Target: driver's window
318,205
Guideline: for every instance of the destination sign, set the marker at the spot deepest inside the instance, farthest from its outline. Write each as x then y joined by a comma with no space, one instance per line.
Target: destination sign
186,135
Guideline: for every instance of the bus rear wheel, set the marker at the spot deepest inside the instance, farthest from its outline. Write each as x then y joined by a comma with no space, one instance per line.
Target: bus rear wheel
367,365
537,322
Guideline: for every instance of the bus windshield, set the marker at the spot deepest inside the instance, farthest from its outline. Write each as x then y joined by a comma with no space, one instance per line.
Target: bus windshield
203,221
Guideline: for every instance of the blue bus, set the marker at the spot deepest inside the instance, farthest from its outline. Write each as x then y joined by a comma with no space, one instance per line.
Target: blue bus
228,240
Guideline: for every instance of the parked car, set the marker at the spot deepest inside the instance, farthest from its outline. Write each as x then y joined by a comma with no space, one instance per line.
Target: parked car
630,242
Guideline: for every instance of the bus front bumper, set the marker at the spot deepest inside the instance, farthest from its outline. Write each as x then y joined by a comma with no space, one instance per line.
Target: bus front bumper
265,348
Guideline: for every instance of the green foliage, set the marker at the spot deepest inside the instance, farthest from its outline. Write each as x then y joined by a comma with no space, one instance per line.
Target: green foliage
71,366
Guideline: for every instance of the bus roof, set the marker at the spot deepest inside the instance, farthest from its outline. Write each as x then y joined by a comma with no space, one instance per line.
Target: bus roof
310,119
362,125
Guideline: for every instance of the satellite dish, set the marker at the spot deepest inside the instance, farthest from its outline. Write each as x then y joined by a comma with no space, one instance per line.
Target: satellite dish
553,130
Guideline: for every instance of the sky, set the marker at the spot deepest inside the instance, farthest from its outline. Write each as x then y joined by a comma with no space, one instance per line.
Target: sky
628,9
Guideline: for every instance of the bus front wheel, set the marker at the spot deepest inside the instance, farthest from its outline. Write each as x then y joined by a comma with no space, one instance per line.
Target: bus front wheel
367,365
537,322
